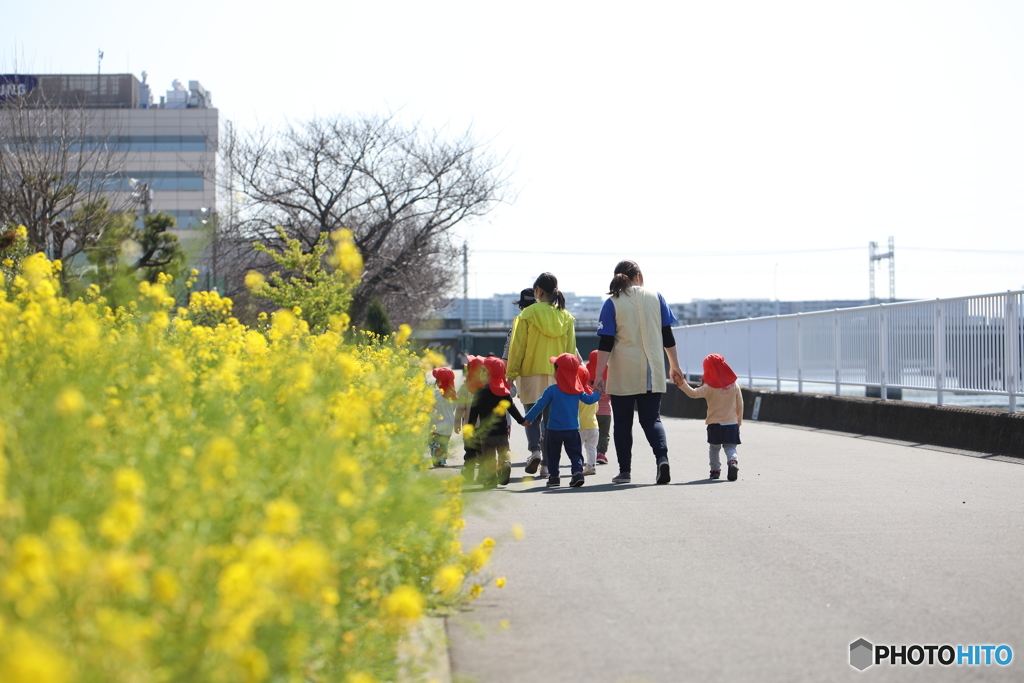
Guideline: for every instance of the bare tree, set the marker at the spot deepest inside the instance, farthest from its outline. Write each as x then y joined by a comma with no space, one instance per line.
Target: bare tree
400,190
55,160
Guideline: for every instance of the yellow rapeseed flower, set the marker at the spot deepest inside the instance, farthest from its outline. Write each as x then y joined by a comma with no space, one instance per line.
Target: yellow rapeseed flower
405,602
282,517
128,482
404,332
254,279
69,402
31,659
449,579
360,677
165,586
120,521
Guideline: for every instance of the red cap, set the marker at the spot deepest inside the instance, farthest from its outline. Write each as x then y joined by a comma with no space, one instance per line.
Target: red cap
476,376
496,370
717,373
567,373
584,374
445,381
592,366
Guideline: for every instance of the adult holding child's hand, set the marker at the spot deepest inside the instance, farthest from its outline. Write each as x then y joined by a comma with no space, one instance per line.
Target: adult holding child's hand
635,330
542,331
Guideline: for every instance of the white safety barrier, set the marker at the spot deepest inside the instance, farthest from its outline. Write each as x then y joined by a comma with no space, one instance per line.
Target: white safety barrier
964,345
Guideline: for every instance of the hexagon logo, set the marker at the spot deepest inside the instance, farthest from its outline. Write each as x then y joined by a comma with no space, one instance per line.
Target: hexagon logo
861,654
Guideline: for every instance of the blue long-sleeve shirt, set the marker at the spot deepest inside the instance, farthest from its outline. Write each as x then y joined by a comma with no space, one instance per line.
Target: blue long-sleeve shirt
564,414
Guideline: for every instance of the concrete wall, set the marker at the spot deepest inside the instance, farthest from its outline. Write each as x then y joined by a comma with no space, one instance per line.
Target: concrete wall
977,429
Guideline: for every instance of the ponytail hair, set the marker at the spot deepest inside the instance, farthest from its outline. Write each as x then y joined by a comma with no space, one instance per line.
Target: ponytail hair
548,283
625,273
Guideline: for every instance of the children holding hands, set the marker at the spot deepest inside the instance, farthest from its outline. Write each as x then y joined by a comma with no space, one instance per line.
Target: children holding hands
590,431
563,423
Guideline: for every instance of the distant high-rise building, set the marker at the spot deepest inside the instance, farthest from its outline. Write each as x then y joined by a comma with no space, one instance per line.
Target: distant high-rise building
165,152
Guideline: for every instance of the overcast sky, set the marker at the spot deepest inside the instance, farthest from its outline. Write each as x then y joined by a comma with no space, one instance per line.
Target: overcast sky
734,149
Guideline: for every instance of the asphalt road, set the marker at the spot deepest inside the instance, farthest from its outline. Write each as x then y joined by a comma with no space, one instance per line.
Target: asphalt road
826,538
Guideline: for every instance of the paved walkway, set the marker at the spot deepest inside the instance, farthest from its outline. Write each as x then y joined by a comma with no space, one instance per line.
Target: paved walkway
825,538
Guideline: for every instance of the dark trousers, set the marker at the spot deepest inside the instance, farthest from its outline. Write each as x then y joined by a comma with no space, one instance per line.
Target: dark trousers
648,408
553,442
492,454
604,423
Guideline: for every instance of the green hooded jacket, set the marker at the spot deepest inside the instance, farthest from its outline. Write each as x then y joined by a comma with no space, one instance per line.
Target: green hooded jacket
540,332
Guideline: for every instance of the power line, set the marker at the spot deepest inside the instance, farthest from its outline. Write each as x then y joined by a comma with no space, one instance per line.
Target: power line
677,254
969,251
665,253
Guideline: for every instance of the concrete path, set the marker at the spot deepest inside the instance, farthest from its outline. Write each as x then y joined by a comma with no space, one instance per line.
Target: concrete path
825,538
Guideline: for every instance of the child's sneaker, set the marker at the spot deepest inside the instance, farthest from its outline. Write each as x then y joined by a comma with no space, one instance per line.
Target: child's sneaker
577,480
505,473
553,481
715,474
589,469
734,471
602,459
543,471
533,462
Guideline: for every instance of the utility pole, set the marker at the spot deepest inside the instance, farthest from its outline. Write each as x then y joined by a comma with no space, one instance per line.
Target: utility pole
873,256
99,70
465,289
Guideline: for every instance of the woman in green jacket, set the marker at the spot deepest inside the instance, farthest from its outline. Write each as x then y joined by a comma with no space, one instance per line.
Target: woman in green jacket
542,331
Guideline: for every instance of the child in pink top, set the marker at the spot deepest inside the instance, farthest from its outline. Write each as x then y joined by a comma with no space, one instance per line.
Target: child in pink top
725,412
604,412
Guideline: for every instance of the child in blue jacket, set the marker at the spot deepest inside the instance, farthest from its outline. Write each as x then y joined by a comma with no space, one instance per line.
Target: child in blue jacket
563,421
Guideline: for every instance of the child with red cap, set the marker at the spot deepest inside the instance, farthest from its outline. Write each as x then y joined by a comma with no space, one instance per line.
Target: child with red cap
725,412
589,429
563,421
475,376
444,415
490,404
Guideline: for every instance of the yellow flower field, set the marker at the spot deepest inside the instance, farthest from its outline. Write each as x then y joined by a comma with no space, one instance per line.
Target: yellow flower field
208,502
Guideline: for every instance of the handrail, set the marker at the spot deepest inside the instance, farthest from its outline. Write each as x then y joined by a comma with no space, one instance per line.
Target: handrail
968,344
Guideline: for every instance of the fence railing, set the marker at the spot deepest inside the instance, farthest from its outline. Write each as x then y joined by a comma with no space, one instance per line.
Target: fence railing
964,345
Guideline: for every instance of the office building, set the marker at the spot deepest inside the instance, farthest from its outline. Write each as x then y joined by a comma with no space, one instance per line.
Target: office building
160,156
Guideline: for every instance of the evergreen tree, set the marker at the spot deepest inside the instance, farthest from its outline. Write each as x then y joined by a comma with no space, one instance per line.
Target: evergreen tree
377,319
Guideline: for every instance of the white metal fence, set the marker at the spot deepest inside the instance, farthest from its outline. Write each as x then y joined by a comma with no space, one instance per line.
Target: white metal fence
967,345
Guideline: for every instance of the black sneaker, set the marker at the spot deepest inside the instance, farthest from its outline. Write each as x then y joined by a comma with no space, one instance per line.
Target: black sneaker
734,472
553,480
663,474
577,479
621,478
715,474
505,473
